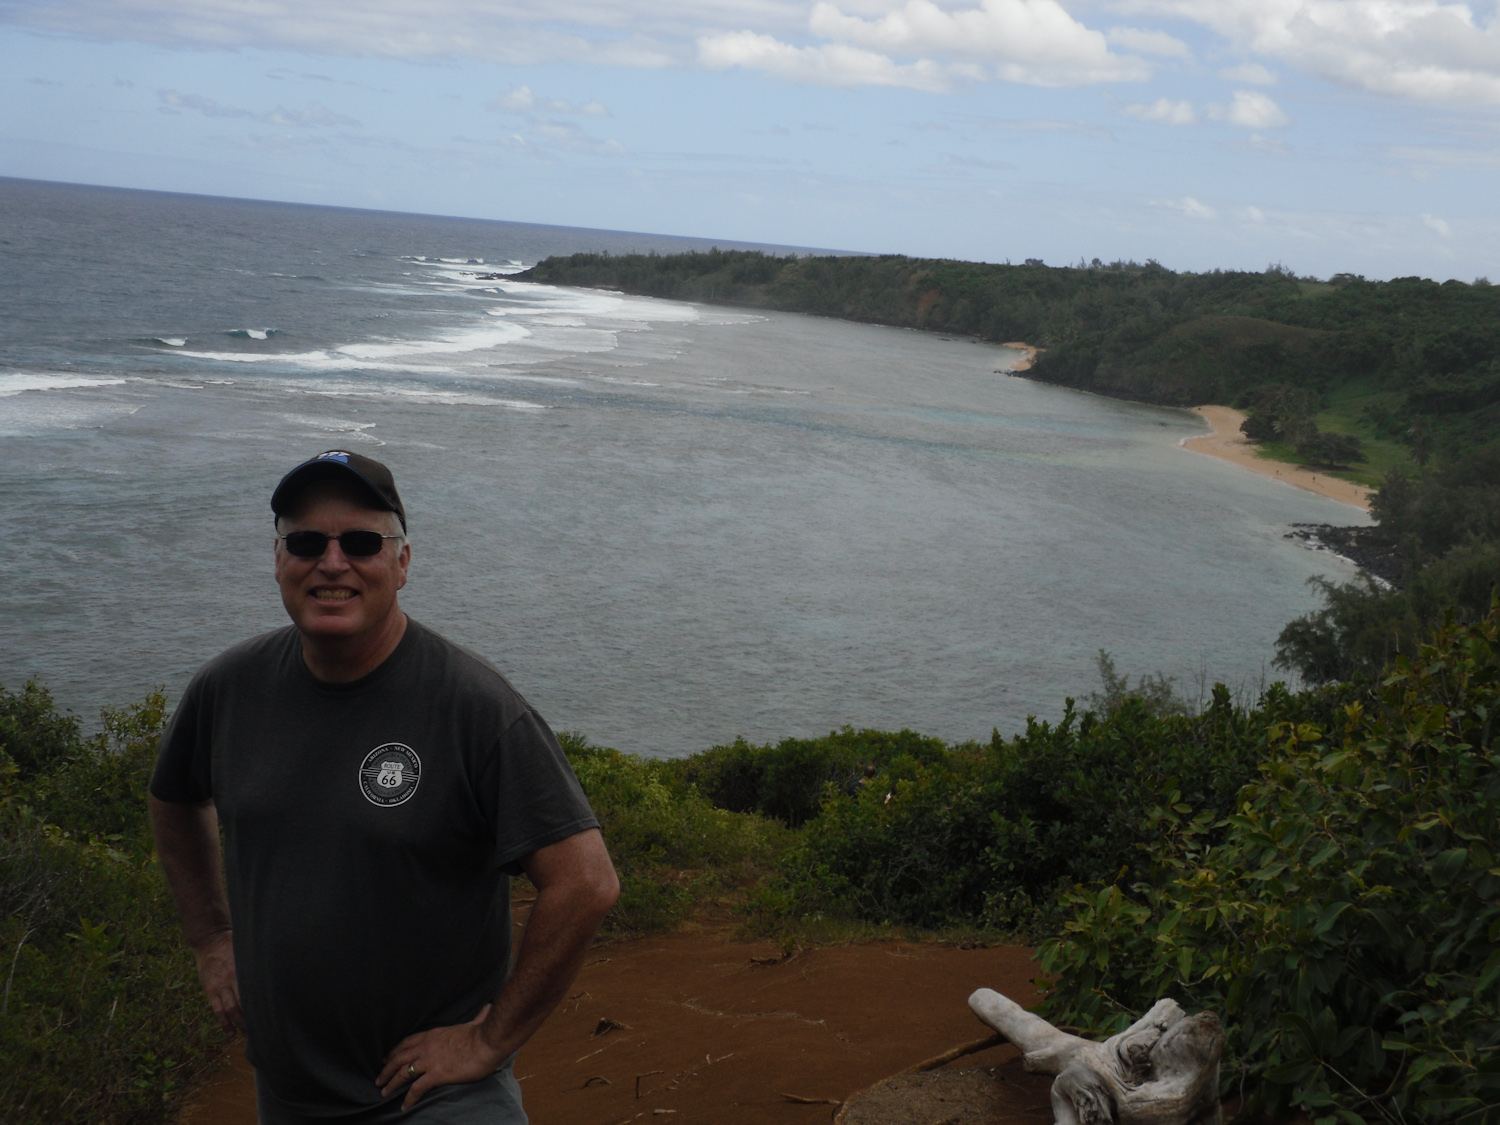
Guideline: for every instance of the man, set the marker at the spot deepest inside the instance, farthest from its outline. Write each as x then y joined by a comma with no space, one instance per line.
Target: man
377,786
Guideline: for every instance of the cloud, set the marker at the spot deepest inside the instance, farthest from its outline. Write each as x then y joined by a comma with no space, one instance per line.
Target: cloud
566,134
834,64
521,100
1049,125
1165,110
315,115
1427,50
1029,41
515,32
949,160
1250,109
1250,73
1192,208
1260,143
1439,225
1150,43
1255,214
1425,159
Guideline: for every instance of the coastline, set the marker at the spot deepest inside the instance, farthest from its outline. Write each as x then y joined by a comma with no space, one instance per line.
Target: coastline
1226,443
1026,361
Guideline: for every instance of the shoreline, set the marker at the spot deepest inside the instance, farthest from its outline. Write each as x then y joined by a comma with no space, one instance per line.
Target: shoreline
1226,443
1026,361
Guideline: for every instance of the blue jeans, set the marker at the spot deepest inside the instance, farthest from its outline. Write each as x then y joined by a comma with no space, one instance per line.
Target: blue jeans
495,1100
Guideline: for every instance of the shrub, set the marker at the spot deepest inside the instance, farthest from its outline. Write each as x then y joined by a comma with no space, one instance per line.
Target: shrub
101,1018
33,733
671,847
1345,925
1335,450
1362,626
986,835
787,781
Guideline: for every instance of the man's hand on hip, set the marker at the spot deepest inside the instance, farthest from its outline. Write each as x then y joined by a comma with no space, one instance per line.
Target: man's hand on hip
439,1057
215,959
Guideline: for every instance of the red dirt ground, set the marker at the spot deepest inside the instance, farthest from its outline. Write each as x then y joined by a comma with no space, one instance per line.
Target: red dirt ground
718,1032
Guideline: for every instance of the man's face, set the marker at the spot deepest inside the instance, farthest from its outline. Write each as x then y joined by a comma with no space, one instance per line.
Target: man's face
334,595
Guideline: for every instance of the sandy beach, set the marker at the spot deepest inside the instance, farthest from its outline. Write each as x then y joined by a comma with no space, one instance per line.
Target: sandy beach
1227,443
1025,362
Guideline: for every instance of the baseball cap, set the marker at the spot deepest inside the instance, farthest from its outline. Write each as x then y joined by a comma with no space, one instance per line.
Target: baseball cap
339,464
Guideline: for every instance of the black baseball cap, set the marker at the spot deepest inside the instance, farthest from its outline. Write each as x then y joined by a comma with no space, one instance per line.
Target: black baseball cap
339,464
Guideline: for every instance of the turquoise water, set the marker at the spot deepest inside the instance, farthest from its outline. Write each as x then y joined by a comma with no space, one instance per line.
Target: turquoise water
669,524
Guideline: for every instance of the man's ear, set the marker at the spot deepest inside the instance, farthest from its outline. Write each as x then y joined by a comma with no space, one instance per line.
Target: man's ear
403,560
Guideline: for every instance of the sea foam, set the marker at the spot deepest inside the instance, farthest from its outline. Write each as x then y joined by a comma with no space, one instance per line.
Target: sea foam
20,382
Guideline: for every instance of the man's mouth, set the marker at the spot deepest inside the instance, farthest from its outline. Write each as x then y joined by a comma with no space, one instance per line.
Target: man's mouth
327,594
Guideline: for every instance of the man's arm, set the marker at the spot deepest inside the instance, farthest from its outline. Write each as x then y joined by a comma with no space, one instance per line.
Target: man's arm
187,843
575,887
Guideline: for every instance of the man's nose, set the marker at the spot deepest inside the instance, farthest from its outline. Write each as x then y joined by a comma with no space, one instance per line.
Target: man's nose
333,557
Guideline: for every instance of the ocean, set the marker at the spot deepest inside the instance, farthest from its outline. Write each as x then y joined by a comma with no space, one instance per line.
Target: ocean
669,524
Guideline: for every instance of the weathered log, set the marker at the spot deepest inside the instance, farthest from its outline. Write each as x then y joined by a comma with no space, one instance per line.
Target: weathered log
1161,1070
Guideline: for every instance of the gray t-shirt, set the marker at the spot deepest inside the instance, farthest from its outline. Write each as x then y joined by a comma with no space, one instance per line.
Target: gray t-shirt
370,830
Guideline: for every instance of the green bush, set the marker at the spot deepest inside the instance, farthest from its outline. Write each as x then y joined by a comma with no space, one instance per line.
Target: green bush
1362,626
101,1018
1343,921
787,781
671,847
34,734
986,835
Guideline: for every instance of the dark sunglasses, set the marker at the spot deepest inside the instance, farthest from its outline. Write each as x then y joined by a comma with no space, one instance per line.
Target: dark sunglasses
354,544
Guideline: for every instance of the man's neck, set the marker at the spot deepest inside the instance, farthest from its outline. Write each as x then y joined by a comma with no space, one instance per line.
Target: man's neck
342,660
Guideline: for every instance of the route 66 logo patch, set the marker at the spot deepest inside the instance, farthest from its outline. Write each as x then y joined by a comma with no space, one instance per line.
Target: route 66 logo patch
389,775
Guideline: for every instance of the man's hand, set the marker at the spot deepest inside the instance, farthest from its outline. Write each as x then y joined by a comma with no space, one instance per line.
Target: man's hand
439,1057
215,958
575,887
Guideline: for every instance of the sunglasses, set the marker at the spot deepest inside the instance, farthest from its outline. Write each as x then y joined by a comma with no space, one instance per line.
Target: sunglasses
354,544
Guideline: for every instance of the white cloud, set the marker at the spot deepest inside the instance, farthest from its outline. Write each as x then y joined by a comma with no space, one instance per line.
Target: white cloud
1435,50
1250,109
1031,41
1430,50
1252,74
568,135
516,32
1192,208
1261,143
1150,43
1165,110
1255,214
521,100
315,115
833,64
1438,225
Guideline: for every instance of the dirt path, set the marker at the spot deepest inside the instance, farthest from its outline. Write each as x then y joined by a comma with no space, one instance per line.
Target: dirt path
1227,443
717,1032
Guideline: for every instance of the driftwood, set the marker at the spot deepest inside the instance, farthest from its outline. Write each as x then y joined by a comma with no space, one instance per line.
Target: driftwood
1162,1070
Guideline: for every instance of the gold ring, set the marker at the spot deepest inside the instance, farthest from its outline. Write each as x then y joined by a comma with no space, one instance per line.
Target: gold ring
411,1071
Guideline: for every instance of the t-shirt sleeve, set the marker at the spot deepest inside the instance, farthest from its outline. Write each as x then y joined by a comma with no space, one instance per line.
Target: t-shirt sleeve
535,797
183,771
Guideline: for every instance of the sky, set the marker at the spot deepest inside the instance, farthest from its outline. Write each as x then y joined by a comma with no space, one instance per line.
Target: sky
1326,136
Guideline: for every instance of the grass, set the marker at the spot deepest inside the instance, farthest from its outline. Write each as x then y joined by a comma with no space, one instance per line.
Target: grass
1346,413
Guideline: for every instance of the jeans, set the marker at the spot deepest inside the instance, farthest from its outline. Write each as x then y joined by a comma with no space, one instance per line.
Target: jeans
495,1100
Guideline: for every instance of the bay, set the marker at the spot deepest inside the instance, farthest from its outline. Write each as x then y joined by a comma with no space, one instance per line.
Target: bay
669,524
